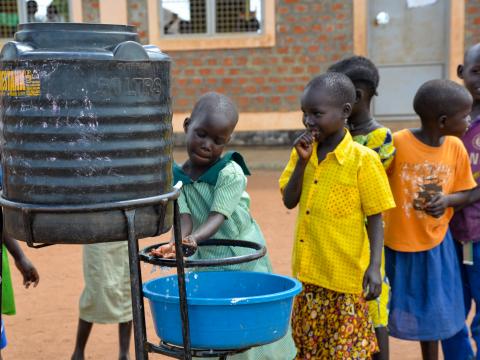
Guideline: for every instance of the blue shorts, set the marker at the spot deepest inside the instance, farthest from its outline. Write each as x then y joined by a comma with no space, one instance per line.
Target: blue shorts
3,340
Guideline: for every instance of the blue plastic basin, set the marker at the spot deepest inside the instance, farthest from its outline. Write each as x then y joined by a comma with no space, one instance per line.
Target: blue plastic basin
227,310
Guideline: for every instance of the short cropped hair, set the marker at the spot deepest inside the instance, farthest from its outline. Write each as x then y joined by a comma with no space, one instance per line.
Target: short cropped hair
215,102
338,85
439,97
360,70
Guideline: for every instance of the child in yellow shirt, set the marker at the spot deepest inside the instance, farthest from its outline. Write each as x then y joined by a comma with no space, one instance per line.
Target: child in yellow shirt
336,183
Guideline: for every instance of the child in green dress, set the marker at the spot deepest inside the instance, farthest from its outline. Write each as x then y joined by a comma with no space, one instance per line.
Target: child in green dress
213,202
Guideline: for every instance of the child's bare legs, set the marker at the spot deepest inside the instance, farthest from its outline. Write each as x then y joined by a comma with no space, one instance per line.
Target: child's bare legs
83,331
124,334
429,350
382,339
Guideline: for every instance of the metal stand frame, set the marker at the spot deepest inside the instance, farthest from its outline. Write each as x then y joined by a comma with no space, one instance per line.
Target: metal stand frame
142,346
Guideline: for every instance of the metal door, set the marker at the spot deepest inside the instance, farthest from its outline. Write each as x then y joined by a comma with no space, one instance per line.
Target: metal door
409,44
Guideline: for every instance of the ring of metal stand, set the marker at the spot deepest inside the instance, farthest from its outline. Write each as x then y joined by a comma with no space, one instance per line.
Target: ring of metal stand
142,346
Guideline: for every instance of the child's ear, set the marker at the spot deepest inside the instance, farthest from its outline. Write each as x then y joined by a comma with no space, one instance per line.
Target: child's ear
442,120
347,110
186,122
460,71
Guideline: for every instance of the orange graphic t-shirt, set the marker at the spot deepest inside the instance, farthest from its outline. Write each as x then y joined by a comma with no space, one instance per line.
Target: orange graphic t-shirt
417,173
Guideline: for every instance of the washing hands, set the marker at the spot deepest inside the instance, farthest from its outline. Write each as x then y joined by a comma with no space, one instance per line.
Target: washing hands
167,251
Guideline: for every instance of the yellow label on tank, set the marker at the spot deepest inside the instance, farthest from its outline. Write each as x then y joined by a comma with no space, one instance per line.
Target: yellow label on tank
19,83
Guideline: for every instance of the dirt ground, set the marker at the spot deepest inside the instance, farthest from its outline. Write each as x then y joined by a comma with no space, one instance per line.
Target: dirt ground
45,325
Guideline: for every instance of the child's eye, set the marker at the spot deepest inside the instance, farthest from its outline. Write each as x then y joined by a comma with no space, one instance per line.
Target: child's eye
201,134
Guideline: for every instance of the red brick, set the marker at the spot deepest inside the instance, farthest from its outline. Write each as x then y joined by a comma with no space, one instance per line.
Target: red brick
300,8
299,29
258,60
294,99
243,101
337,6
181,82
298,70
472,9
275,100
180,62
205,72
241,61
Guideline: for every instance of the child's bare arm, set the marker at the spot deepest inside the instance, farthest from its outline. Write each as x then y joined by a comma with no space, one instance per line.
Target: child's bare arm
372,280
208,228
23,264
186,224
292,191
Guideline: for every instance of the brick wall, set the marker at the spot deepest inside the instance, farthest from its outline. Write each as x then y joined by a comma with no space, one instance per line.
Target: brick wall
137,16
472,22
309,36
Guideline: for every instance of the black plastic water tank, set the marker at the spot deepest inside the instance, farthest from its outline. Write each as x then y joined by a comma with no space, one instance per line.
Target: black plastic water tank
85,118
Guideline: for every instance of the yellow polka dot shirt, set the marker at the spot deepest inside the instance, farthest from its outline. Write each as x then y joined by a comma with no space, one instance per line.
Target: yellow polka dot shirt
331,247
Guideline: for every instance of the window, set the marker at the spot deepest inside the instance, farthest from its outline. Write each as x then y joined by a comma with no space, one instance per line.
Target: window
13,12
184,17
211,24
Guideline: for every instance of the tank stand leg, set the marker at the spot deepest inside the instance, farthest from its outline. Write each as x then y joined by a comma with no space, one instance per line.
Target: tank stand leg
177,231
139,330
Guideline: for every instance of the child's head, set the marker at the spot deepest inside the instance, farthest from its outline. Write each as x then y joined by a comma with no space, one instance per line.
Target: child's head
209,128
326,104
364,75
469,71
443,105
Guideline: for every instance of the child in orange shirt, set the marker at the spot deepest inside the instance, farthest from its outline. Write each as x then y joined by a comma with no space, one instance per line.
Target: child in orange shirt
429,175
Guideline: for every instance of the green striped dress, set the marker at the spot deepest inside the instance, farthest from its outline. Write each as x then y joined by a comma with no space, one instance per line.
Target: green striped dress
222,189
